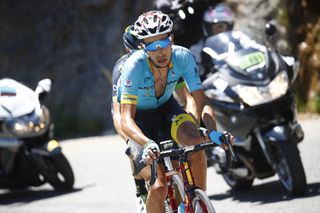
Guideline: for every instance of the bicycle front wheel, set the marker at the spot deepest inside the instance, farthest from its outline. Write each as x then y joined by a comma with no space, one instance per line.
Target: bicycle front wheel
201,202
178,187
178,194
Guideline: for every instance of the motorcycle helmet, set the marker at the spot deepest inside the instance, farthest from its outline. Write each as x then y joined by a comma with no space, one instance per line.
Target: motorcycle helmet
217,19
177,4
169,5
152,23
130,41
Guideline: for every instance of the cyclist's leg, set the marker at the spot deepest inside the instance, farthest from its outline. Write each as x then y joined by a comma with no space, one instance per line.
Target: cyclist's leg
141,194
187,134
157,193
141,191
183,129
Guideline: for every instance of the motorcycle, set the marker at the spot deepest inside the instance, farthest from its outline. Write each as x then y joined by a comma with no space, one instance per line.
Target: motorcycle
29,156
250,89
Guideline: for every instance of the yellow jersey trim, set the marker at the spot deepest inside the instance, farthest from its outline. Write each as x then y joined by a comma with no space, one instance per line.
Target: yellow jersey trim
129,99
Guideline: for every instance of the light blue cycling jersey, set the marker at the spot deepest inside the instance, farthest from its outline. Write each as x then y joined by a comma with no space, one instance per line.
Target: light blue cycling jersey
137,81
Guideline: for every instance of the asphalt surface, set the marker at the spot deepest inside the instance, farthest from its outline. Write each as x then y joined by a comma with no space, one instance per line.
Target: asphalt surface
104,184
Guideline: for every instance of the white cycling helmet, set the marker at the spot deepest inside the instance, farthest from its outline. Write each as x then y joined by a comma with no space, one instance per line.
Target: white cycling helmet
152,23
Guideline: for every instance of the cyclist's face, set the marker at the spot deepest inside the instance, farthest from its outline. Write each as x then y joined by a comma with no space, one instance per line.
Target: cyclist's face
159,49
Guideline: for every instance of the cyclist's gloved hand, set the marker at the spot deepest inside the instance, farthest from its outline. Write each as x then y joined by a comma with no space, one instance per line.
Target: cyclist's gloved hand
150,149
222,139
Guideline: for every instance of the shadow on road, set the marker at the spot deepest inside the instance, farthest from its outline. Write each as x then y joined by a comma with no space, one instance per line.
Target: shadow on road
267,193
28,195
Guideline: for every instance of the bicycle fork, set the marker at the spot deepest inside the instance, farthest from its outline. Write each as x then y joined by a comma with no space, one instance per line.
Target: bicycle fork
171,197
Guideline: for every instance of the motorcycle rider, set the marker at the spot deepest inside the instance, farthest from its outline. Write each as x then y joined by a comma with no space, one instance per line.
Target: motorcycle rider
148,109
186,16
215,20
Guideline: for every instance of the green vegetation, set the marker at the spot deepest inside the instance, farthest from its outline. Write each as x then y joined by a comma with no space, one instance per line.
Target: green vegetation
312,105
282,17
69,125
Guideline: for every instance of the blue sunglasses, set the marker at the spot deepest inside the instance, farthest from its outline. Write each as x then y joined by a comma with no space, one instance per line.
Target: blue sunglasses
159,43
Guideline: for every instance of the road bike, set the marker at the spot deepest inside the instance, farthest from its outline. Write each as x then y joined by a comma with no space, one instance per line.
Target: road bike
181,187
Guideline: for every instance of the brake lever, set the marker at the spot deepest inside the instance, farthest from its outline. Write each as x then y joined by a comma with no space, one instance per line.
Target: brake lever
234,158
227,137
154,174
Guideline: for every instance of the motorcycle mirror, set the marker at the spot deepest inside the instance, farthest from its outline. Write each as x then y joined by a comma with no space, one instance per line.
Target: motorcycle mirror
43,87
270,29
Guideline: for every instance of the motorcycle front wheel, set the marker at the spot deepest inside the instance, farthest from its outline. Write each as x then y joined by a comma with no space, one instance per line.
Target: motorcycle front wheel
289,167
237,184
62,179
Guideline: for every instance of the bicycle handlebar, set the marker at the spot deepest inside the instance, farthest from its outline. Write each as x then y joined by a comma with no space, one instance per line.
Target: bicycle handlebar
186,149
230,156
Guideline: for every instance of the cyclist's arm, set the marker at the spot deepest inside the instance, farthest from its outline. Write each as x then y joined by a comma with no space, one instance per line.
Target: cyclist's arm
191,77
203,110
129,126
203,107
116,73
117,120
187,100
130,81
181,92
207,113
191,106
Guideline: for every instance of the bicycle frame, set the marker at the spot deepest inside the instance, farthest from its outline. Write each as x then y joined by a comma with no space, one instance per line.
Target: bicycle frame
171,197
189,187
188,182
169,174
187,178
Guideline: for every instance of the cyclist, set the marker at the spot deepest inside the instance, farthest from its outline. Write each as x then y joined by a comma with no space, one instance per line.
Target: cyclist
149,113
215,20
131,44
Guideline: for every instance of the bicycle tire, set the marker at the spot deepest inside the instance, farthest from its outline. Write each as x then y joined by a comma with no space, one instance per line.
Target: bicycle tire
176,181
202,201
178,186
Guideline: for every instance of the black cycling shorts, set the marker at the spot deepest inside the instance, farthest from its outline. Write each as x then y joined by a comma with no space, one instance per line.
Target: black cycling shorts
158,124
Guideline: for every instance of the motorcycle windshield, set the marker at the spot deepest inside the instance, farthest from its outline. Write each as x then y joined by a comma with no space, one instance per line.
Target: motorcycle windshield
239,51
222,44
16,99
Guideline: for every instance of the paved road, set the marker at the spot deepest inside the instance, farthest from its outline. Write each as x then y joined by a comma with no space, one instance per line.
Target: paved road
98,189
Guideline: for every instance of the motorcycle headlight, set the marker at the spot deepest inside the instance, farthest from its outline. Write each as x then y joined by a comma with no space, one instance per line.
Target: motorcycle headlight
34,124
253,95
